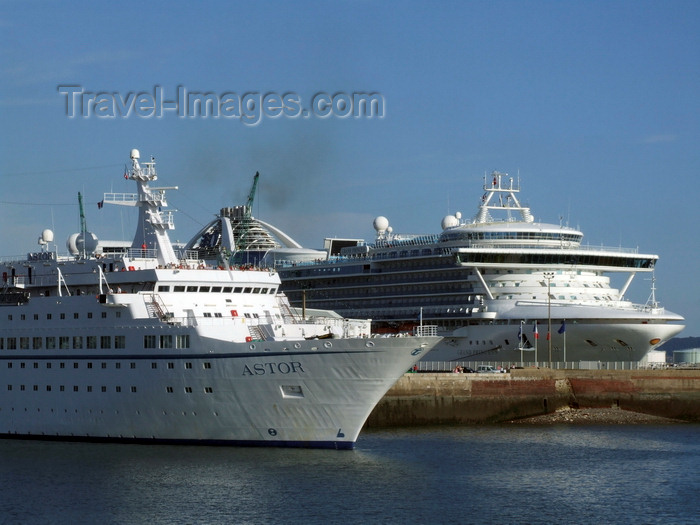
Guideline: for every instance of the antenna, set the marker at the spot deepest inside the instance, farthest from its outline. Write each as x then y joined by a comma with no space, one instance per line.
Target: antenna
83,224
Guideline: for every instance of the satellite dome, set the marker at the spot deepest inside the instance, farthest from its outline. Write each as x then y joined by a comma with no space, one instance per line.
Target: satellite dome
47,236
381,224
450,221
86,243
135,154
458,214
79,243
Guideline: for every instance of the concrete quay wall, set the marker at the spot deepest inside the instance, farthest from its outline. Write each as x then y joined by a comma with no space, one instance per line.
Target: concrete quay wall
448,398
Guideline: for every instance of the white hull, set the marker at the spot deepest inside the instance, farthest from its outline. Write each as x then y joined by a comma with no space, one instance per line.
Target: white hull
582,341
312,396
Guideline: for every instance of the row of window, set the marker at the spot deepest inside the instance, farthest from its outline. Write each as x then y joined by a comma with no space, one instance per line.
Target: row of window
90,342
132,365
76,342
216,289
166,341
89,388
557,259
76,315
462,235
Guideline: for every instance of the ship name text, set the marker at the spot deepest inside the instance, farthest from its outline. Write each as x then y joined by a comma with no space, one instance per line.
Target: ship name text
270,368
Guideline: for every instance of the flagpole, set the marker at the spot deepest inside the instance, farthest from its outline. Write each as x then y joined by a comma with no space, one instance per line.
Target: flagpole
521,342
565,344
537,336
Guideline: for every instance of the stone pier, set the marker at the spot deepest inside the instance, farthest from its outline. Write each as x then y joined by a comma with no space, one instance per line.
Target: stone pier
449,398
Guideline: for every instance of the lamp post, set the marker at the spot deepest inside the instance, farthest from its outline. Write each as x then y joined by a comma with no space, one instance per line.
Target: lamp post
549,276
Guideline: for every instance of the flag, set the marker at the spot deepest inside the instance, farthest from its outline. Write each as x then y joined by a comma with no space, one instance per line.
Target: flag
562,328
100,204
534,329
520,333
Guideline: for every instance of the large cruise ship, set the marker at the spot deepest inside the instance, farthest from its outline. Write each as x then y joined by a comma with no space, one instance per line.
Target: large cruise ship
148,345
500,287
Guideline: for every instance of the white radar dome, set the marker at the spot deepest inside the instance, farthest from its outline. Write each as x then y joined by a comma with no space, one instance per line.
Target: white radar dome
135,154
47,236
86,243
458,214
381,223
70,244
79,243
450,221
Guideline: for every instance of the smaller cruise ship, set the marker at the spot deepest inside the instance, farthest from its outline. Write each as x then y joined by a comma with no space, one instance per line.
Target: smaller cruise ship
148,344
500,286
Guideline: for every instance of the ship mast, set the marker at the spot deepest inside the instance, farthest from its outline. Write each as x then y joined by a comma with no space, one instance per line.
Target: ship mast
83,225
151,238
501,195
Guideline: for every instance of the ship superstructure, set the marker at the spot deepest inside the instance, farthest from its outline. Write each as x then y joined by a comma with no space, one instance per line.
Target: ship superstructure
497,285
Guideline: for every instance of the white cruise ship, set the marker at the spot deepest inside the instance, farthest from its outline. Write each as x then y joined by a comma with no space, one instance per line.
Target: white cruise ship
146,345
500,287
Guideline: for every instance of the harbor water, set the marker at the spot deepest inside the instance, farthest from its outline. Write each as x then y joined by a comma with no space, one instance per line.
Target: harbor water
641,474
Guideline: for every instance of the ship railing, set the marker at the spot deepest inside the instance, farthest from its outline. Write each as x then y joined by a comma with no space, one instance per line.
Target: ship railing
427,330
549,244
406,240
142,253
188,255
425,366
121,198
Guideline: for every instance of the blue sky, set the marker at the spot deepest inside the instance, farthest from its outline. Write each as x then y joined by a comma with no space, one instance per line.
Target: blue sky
595,104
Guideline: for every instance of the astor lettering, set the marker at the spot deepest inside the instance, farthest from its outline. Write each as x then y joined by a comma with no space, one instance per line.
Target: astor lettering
259,369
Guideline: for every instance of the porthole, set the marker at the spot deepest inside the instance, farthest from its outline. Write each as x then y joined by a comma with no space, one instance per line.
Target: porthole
328,344
369,344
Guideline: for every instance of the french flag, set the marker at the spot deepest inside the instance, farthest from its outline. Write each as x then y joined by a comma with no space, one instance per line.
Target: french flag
534,329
